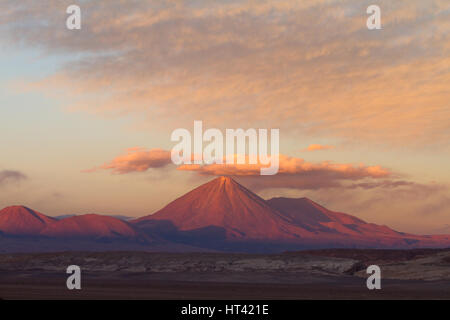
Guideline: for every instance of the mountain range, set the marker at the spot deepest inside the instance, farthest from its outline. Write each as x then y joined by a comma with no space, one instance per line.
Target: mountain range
220,215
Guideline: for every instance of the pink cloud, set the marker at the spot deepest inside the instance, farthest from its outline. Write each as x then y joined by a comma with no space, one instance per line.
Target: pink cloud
316,147
295,173
239,62
136,160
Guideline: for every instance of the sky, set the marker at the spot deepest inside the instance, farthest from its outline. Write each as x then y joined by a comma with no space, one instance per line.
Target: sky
364,115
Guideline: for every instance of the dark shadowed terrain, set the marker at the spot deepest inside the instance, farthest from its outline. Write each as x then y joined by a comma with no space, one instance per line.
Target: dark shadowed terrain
321,274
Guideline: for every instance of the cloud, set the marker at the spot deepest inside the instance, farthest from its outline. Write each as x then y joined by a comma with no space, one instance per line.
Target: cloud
136,160
310,67
7,176
316,147
293,173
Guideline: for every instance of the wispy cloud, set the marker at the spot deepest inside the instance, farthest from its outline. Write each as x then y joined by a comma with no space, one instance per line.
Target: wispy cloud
308,66
8,176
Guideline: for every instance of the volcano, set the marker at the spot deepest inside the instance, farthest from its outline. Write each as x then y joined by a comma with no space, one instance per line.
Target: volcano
23,221
226,204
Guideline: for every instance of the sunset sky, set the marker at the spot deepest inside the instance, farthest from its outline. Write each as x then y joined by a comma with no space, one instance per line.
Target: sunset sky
364,115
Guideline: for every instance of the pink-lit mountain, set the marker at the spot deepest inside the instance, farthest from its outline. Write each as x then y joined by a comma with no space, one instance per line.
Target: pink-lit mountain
222,215
226,204
19,220
244,216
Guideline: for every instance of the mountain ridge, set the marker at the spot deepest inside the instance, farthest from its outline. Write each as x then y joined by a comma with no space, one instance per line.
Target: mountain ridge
223,215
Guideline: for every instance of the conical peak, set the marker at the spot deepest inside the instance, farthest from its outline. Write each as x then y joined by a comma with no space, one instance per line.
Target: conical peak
224,182
224,179
224,203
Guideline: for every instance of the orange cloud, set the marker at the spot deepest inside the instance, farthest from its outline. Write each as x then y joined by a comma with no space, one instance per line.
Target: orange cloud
291,165
240,62
293,173
316,147
136,160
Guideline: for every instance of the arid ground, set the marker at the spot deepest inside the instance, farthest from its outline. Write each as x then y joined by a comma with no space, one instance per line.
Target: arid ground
321,274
